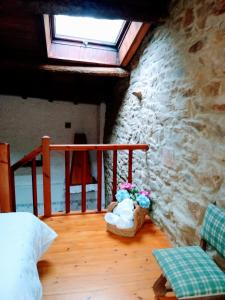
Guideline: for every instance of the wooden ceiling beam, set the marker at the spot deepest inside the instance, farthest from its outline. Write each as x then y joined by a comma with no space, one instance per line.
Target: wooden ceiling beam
55,82
135,10
59,69
90,71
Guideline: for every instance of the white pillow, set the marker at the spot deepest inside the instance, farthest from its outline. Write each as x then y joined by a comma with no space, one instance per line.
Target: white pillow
23,240
22,227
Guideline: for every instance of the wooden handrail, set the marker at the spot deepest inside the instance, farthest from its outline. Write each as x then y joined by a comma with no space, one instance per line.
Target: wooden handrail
29,157
105,147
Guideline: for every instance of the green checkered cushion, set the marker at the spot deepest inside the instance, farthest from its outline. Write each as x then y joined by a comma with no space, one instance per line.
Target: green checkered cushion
213,228
191,272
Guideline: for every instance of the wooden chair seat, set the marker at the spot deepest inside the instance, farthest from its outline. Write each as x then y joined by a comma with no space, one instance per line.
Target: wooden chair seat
191,273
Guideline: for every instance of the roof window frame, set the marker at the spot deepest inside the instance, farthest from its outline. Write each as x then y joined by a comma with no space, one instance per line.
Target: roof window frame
97,54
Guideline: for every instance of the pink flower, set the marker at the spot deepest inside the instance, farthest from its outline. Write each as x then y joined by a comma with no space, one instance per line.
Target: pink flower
127,186
145,193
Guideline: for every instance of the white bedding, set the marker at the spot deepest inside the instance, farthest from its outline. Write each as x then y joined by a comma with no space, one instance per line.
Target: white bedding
23,240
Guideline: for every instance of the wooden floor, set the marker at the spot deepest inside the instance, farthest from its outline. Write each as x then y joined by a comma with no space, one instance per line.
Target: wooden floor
88,263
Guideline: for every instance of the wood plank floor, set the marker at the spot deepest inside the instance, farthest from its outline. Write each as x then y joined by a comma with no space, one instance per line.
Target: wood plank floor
88,263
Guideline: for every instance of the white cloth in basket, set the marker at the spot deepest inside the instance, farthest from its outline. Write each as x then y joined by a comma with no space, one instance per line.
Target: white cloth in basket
122,215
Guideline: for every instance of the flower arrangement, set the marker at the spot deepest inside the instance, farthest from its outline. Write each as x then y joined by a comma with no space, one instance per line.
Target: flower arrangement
126,216
129,191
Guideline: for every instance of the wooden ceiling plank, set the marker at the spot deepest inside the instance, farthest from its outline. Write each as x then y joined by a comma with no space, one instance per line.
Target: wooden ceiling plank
141,10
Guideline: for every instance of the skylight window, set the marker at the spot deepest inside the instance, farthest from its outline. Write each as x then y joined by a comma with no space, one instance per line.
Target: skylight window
91,41
88,30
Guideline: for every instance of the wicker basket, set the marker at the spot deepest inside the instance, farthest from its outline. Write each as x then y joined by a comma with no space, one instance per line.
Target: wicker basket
139,219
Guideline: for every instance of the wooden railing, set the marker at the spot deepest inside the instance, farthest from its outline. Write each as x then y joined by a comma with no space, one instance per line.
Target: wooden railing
46,148
23,161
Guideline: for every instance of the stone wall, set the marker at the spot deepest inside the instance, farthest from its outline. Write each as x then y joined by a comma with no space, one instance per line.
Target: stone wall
175,102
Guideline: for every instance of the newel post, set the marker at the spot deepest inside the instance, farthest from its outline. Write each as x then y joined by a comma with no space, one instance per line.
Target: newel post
46,176
5,179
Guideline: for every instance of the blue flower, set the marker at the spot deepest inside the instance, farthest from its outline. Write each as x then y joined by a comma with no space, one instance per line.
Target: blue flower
143,201
121,195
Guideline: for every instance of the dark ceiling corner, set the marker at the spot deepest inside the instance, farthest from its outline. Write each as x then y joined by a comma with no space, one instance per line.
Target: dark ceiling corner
28,72
141,10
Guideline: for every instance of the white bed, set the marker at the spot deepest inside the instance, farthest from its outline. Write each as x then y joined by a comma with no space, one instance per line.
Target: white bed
23,240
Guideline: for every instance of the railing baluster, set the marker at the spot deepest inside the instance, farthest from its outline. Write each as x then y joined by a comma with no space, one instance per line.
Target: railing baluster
13,189
5,179
34,187
83,200
99,204
46,176
67,181
114,175
130,166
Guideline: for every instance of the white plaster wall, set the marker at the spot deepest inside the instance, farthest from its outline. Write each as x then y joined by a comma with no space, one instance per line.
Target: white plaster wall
24,122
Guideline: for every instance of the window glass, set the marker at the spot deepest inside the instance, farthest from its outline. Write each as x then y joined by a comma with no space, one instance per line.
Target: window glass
88,29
